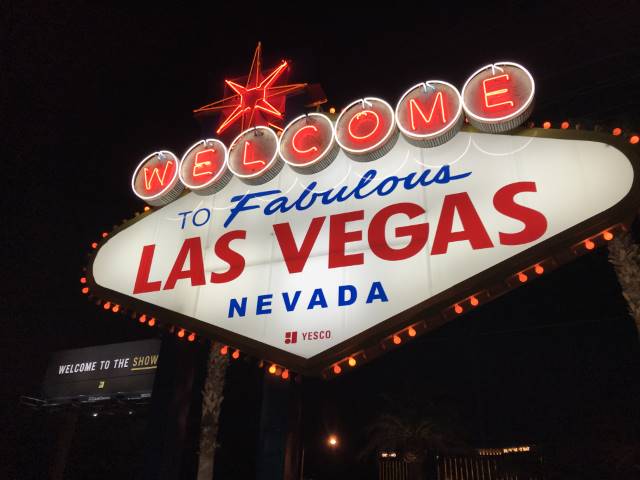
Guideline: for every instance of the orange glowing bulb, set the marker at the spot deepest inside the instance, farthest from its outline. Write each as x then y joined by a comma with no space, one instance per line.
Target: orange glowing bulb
191,337
85,290
589,245
152,322
94,245
564,125
332,110
107,305
539,269
522,277
337,369
142,319
105,234
83,280
272,369
147,208
474,301
412,332
224,350
115,309
607,236
352,362
181,333
285,374
458,309
634,139
236,354
617,131
546,125
397,340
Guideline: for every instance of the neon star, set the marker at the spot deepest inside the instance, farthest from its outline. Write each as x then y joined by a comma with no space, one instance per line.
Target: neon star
253,103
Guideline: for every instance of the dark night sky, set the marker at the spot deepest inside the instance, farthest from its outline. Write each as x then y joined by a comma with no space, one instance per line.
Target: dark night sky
90,90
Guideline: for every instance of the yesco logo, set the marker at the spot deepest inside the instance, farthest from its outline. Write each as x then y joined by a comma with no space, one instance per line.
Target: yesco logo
292,337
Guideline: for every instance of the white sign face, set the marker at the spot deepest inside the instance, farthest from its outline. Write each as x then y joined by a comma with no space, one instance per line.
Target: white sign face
303,263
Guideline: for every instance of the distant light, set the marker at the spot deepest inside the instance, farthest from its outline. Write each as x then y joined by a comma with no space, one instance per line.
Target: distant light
85,290
397,340
181,333
333,440
152,322
634,139
142,319
147,208
522,277
546,125
107,305
458,309
130,412
236,354
607,236
564,125
94,414
332,110
191,337
617,131
285,374
539,269
352,362
412,332
272,369
589,245
115,309
94,245
337,369
224,350
474,301
83,280
105,234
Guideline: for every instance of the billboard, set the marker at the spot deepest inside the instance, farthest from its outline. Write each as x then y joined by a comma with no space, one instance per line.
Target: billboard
102,372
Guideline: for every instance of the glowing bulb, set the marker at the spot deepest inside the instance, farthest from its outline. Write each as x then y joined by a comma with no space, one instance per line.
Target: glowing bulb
115,309
236,354
634,139
191,337
458,309
94,245
105,234
412,332
152,322
107,305
333,440
589,245
142,319
224,350
397,340
474,301
607,236
147,208
352,362
332,110
539,269
85,290
522,277
285,374
617,131
83,280
272,369
337,369
181,333
564,125
546,125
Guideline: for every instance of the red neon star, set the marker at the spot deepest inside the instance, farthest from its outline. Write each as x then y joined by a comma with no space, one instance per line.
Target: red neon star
253,104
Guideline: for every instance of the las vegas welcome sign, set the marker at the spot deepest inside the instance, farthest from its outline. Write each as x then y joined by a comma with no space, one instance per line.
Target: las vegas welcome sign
343,236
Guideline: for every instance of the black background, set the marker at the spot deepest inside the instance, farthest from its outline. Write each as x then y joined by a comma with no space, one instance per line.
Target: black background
89,90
